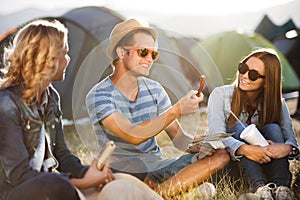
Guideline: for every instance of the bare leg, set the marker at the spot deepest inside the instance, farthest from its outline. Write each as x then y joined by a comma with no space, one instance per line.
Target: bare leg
192,175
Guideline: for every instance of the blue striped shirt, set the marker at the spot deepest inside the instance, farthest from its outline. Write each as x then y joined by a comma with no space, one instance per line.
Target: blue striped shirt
104,99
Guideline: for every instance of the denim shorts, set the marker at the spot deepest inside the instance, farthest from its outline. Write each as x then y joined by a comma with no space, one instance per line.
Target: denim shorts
167,172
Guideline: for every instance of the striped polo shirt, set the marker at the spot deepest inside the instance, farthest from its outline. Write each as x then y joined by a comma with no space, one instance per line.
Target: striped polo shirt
104,99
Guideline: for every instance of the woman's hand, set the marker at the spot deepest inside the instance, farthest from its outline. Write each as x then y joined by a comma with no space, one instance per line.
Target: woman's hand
278,150
256,153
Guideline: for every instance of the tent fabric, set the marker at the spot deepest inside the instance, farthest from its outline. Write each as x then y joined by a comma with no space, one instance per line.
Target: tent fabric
97,21
180,64
228,48
88,26
168,70
196,61
271,31
290,48
89,30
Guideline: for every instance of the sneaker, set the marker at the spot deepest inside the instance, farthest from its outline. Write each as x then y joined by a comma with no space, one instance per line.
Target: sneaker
249,196
265,192
283,193
207,190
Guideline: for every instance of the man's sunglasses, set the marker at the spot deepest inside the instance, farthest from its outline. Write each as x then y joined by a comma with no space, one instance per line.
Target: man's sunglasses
252,74
143,52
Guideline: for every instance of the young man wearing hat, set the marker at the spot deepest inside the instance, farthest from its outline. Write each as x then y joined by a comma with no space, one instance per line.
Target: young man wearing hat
131,110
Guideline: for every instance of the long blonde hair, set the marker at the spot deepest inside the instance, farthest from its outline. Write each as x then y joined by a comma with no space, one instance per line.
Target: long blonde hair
271,94
33,56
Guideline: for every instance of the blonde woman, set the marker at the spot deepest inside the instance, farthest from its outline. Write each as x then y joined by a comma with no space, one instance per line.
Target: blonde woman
32,141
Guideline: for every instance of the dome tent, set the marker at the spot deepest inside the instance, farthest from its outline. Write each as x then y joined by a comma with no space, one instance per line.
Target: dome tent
229,47
87,26
89,30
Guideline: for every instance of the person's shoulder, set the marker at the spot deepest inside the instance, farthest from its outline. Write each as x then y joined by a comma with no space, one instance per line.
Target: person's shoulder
5,94
150,82
105,86
9,99
9,92
100,85
224,89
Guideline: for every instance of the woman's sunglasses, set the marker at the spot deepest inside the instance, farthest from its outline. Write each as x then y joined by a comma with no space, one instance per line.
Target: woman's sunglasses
252,74
143,52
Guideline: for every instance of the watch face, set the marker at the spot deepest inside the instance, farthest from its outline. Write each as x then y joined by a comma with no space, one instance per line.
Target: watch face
293,153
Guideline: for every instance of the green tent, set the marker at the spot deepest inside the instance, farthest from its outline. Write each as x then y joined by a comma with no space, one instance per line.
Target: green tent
228,48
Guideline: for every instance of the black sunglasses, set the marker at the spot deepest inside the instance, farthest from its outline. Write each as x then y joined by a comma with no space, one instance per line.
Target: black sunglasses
252,74
143,52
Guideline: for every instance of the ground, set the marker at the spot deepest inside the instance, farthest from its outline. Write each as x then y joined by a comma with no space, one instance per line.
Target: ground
84,145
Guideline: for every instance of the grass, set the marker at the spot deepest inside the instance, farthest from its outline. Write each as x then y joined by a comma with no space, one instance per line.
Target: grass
193,124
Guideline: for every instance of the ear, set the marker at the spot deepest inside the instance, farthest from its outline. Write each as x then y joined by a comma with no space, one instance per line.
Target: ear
120,52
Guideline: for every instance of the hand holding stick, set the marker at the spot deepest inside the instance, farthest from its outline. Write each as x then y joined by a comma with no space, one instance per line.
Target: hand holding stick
105,154
202,83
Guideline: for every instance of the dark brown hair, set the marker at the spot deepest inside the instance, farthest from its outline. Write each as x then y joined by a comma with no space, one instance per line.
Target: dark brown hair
271,94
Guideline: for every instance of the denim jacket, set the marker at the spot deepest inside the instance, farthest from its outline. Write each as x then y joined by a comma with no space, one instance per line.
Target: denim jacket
20,127
219,106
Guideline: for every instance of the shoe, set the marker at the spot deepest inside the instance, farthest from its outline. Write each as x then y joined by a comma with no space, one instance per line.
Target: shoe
265,192
249,196
283,193
207,190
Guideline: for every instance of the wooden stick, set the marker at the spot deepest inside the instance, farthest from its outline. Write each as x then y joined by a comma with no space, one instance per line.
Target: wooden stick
202,83
104,154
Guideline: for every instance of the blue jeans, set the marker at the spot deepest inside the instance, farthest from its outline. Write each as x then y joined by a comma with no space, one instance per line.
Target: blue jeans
276,171
170,170
51,186
137,168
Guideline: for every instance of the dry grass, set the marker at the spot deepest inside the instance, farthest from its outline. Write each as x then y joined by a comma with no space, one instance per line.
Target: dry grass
192,124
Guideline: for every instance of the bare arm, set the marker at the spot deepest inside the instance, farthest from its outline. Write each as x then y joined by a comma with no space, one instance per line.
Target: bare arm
136,134
178,136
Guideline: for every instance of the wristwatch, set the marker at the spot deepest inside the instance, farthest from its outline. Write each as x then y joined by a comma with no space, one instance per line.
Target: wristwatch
293,153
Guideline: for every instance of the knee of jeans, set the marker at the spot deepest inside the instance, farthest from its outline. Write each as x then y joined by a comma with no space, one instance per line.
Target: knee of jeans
271,127
272,132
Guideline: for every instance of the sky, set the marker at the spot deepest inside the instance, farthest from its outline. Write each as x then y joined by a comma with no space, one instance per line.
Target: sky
167,7
197,18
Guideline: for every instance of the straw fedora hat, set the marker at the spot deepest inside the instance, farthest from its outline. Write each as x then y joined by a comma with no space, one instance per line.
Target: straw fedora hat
122,29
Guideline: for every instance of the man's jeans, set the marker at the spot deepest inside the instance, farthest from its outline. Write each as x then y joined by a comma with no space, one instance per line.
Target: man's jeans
276,171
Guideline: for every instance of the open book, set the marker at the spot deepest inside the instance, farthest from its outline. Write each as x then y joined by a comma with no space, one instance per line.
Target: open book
214,140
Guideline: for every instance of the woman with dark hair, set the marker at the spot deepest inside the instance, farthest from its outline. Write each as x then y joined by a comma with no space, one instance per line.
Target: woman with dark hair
256,98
